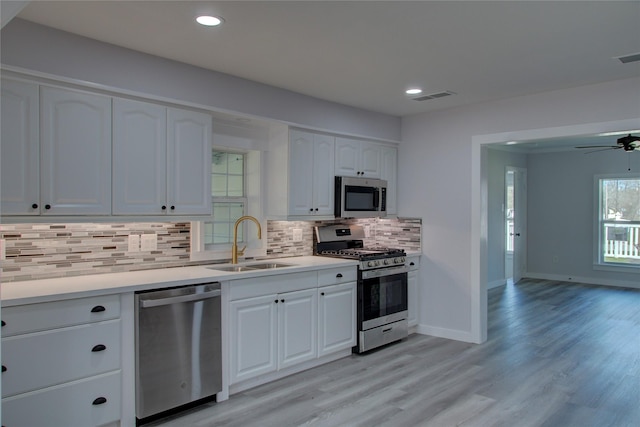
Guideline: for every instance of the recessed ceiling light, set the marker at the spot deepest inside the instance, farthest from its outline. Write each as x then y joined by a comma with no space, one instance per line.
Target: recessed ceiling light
621,132
511,142
209,21
413,91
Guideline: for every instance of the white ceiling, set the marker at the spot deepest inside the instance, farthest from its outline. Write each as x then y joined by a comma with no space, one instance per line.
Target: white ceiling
366,53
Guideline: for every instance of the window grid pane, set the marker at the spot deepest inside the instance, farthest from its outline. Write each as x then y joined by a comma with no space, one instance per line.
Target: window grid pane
619,218
229,200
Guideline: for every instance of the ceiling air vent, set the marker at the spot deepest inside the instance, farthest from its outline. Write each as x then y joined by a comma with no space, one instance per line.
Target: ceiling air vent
634,57
434,95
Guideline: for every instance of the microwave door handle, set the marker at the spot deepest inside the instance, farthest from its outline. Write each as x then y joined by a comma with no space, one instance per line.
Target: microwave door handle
376,199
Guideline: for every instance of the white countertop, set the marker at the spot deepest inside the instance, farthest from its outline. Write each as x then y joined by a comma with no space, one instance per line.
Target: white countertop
44,290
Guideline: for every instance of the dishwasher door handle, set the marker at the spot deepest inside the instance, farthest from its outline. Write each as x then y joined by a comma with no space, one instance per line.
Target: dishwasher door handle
178,299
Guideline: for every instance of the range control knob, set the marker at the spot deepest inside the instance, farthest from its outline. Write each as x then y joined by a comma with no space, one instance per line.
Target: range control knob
386,262
371,264
399,260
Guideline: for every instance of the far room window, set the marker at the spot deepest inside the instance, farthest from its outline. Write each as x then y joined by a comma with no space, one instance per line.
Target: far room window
619,220
229,198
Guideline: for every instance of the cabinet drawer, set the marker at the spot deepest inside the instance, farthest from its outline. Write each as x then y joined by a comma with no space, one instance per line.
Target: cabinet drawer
266,285
337,275
50,315
43,359
90,402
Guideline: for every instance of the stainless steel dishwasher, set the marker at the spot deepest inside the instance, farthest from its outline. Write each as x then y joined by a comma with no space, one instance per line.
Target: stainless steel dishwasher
178,348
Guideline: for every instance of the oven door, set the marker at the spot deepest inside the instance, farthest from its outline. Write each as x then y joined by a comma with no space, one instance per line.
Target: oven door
382,296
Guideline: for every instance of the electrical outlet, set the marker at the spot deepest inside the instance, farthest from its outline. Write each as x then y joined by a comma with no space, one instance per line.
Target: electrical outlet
134,243
367,231
148,242
297,234
3,251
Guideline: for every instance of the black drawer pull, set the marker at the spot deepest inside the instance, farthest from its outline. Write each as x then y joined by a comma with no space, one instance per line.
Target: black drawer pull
98,309
99,347
4,323
281,300
164,207
4,368
321,293
100,400
411,263
276,301
173,208
339,275
34,206
47,207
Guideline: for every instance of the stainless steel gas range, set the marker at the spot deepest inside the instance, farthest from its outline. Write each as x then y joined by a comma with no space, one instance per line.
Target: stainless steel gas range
382,284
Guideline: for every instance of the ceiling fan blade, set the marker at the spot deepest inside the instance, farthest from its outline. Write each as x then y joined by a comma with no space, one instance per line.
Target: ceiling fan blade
600,146
602,149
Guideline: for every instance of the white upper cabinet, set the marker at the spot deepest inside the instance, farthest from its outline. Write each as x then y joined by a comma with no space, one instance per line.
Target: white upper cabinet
389,173
189,162
161,160
19,149
139,158
358,158
311,175
75,152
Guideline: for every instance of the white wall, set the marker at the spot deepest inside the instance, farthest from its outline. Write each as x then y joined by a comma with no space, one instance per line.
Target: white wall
561,214
37,48
436,183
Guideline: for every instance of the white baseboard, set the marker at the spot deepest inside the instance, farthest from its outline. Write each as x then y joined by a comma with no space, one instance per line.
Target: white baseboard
452,334
587,280
496,283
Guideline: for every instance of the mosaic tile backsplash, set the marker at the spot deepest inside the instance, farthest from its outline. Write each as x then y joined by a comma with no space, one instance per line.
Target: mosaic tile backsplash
38,251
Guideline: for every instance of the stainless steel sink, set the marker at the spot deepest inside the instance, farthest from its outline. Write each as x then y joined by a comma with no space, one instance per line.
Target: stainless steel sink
249,267
269,265
236,268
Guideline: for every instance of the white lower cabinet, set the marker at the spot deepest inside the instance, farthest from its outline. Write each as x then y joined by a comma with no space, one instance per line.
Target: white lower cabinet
279,323
336,318
297,327
272,332
61,363
412,289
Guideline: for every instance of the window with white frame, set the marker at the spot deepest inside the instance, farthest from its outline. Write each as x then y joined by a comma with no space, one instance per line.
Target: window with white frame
229,198
618,220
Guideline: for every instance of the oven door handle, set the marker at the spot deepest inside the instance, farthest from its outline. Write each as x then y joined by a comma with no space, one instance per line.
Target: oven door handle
386,271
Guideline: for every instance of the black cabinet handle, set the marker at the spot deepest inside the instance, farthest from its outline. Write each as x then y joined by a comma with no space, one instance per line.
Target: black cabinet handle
47,207
411,263
164,208
316,209
4,323
339,275
321,293
99,347
34,206
276,301
4,368
100,400
98,309
311,210
281,300
173,208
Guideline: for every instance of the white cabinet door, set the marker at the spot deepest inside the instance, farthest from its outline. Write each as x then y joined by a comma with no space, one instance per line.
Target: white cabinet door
301,154
19,149
336,318
412,290
75,152
347,159
253,337
311,176
371,155
189,162
139,158
358,158
323,176
389,172
297,327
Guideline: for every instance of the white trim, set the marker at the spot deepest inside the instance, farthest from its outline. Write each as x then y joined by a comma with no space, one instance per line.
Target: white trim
496,283
452,334
478,282
587,280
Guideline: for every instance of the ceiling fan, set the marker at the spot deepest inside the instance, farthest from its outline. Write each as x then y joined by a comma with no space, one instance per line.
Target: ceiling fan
627,143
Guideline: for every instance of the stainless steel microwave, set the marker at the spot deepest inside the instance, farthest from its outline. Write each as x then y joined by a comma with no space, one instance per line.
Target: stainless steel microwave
360,197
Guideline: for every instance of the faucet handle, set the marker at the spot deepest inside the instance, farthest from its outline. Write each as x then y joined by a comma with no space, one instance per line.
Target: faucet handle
241,251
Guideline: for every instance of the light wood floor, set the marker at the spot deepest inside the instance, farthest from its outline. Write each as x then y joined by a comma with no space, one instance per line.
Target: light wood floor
558,355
